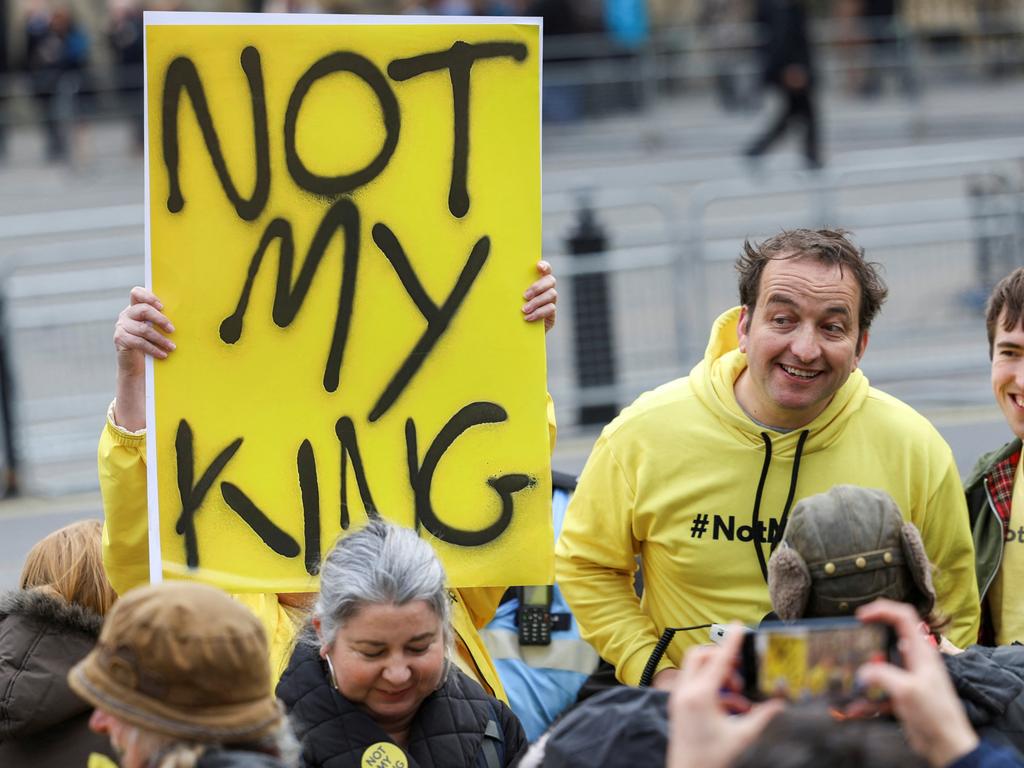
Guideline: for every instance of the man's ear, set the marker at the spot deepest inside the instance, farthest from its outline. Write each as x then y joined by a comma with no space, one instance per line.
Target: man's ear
743,328
862,345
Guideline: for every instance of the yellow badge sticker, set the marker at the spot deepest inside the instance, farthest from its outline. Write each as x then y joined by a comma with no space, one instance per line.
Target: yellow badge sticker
384,754
97,760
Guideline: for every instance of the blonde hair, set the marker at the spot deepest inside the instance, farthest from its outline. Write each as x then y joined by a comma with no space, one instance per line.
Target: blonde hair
69,564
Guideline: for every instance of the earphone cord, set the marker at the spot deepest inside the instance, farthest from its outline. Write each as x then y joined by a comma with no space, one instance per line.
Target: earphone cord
660,648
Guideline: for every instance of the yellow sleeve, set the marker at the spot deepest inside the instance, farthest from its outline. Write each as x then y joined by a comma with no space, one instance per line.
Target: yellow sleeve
122,470
121,461
481,603
471,653
595,562
280,625
946,533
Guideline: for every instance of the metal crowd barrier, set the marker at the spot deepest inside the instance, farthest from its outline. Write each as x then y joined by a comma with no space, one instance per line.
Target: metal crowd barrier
66,276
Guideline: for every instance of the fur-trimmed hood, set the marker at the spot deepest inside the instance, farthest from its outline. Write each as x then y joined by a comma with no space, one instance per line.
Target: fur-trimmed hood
37,605
41,638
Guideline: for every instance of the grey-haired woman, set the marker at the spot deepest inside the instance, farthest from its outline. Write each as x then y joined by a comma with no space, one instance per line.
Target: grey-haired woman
370,679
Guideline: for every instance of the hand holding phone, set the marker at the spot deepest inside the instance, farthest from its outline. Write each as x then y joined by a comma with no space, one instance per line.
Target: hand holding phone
706,730
921,693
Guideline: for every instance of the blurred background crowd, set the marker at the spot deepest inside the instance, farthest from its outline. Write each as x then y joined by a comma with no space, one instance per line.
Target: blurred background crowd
901,121
68,62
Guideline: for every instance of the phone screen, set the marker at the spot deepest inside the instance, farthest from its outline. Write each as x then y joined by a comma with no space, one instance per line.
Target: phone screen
537,596
813,659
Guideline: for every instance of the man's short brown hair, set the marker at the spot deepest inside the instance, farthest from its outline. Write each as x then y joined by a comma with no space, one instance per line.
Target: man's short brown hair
829,246
1008,295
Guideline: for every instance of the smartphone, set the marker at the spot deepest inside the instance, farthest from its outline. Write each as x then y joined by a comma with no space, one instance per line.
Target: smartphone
813,659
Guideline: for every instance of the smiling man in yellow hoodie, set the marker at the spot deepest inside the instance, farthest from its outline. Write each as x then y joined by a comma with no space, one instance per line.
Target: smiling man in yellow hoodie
698,476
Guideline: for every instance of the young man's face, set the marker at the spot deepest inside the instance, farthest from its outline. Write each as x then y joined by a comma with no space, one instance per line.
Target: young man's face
1008,374
802,341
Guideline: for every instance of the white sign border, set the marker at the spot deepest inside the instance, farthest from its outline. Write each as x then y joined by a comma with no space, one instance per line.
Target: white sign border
210,18
205,18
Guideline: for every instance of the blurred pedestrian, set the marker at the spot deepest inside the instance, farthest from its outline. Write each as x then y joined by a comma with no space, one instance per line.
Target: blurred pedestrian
564,101
46,626
57,52
438,7
626,23
6,69
724,24
881,31
179,679
125,37
787,66
292,6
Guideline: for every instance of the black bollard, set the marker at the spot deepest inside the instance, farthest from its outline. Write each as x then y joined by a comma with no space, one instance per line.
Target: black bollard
591,317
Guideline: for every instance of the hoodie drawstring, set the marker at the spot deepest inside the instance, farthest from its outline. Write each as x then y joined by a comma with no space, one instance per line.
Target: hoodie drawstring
757,504
754,516
792,487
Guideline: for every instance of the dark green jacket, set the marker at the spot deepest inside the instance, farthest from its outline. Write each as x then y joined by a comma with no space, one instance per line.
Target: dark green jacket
989,490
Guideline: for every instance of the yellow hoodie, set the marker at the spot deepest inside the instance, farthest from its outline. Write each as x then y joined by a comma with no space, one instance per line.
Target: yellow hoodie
675,478
122,470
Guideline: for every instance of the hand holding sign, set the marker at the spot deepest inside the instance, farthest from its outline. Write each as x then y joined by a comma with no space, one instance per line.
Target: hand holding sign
541,297
708,728
139,331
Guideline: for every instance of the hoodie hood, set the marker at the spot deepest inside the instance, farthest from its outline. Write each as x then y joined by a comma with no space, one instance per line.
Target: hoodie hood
713,380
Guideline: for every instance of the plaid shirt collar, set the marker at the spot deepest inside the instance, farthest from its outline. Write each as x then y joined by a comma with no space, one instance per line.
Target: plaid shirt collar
1000,484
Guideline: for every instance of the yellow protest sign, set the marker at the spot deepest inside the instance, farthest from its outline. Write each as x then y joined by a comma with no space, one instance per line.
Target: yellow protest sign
784,664
342,216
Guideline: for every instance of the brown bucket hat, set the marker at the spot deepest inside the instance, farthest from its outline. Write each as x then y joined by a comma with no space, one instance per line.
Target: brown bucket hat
845,548
183,660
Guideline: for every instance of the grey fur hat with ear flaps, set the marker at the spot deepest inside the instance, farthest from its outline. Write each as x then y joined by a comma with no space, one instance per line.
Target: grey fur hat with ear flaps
845,548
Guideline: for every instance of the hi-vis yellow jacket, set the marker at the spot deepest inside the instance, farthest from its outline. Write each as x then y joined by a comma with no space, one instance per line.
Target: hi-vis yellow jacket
677,476
122,471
